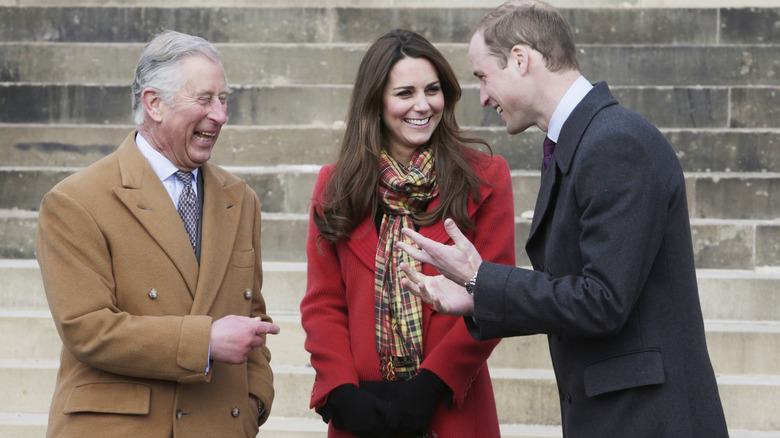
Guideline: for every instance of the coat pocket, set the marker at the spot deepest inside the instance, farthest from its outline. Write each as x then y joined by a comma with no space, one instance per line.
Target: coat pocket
243,259
109,398
631,370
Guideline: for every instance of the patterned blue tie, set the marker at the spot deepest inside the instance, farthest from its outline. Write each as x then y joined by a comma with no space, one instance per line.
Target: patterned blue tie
547,149
188,207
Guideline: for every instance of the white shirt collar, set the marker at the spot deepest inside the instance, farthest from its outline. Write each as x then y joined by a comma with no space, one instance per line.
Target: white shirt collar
160,164
570,100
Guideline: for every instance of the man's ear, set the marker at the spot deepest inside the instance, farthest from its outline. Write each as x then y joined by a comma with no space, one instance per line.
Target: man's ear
152,104
519,56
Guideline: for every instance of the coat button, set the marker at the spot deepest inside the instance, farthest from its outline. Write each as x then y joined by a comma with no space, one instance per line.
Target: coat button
248,294
152,293
234,412
178,414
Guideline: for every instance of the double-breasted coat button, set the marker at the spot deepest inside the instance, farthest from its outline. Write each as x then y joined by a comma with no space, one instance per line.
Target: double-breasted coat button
248,294
152,293
235,412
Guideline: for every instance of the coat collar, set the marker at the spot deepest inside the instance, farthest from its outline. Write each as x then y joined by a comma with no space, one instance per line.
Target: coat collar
571,133
145,197
365,238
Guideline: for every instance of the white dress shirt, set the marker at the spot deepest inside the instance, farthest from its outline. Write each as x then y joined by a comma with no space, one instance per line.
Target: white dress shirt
570,100
165,170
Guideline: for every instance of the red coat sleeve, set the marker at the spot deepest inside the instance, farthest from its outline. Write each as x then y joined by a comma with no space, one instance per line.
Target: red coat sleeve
324,310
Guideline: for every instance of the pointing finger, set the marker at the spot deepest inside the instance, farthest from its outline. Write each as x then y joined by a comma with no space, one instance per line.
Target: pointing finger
266,327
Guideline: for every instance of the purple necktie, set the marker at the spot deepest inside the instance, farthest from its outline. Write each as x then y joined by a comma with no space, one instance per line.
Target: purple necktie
188,207
547,148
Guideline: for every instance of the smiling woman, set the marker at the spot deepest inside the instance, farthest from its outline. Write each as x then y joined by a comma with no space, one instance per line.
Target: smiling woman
386,363
412,106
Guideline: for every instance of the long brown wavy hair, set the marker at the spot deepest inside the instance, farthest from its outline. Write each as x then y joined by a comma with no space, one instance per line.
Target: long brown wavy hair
351,191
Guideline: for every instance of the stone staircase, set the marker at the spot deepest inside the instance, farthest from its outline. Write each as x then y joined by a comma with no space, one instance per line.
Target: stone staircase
708,76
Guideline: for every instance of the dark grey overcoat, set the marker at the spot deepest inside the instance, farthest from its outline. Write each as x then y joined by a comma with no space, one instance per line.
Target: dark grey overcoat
613,283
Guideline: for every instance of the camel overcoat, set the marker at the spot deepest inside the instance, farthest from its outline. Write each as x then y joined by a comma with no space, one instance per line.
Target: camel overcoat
134,308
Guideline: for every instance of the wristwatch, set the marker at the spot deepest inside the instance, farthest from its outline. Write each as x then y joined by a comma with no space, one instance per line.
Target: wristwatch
471,284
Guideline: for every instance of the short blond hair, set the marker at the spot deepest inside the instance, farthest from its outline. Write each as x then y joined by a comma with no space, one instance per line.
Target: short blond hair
532,23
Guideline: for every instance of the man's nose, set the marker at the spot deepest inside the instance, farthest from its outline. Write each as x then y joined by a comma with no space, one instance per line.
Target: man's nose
484,98
218,111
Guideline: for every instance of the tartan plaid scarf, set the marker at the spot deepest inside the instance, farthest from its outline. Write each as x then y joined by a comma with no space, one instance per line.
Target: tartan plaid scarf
398,313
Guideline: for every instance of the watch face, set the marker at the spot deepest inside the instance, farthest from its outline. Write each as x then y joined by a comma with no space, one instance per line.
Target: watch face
471,284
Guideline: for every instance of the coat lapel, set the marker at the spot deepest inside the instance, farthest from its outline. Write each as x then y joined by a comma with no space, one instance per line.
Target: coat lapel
145,197
364,241
222,204
544,198
571,133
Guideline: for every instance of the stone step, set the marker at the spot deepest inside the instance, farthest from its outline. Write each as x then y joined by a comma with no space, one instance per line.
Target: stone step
733,295
736,347
667,107
718,244
22,289
405,3
76,146
288,189
280,63
284,285
34,426
335,24
401,3
522,396
42,343
725,294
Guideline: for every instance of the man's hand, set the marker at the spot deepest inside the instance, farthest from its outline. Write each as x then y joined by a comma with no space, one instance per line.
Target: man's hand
458,262
233,337
443,294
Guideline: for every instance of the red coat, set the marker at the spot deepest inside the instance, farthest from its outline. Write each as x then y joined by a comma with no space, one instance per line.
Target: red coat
338,311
